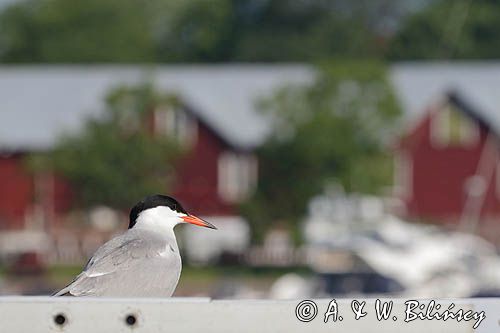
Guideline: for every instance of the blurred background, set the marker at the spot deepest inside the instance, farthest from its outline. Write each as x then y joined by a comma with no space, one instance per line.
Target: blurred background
342,148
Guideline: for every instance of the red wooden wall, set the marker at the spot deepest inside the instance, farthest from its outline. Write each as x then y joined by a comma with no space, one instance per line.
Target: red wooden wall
16,191
196,184
439,176
196,179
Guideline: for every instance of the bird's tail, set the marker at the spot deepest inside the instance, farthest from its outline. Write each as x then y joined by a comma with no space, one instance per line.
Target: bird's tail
63,292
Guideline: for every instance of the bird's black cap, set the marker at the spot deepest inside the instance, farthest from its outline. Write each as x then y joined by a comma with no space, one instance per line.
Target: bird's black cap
153,201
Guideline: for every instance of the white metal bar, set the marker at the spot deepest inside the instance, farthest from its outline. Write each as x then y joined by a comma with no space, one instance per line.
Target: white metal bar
92,315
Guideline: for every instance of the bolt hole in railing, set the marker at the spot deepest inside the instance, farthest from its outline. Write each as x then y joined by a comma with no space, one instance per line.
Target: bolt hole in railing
130,320
60,319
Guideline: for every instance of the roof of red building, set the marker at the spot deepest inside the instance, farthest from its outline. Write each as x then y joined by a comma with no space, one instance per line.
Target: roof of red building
39,103
474,85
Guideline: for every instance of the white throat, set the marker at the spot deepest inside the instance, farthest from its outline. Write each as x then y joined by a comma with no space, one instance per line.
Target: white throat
161,220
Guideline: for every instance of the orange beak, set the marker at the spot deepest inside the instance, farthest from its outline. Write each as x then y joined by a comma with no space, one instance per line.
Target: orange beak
196,220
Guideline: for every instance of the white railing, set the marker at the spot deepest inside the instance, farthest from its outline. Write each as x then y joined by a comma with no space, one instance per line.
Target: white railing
92,315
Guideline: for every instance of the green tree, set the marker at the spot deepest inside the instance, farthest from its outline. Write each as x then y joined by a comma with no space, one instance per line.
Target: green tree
79,31
288,30
450,29
200,30
116,160
271,30
193,30
333,131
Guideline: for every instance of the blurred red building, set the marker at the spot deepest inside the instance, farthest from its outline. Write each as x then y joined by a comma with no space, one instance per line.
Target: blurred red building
447,165
219,123
446,160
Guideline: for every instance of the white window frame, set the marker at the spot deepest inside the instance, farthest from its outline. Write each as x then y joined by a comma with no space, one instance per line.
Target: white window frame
440,127
403,175
441,132
497,178
176,123
469,132
236,176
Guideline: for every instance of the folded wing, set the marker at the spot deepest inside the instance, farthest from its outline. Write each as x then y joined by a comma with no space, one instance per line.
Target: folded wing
117,255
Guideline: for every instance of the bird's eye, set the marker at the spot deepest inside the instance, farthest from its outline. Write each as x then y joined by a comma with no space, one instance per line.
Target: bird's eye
174,207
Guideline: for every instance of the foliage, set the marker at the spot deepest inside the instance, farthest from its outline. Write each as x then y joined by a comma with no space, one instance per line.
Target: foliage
247,30
333,131
192,30
116,160
273,30
200,30
78,31
450,29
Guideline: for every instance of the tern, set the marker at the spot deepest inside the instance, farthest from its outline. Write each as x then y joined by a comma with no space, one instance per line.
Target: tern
142,262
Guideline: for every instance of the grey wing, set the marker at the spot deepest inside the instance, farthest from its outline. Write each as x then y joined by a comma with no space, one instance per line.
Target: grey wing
116,255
